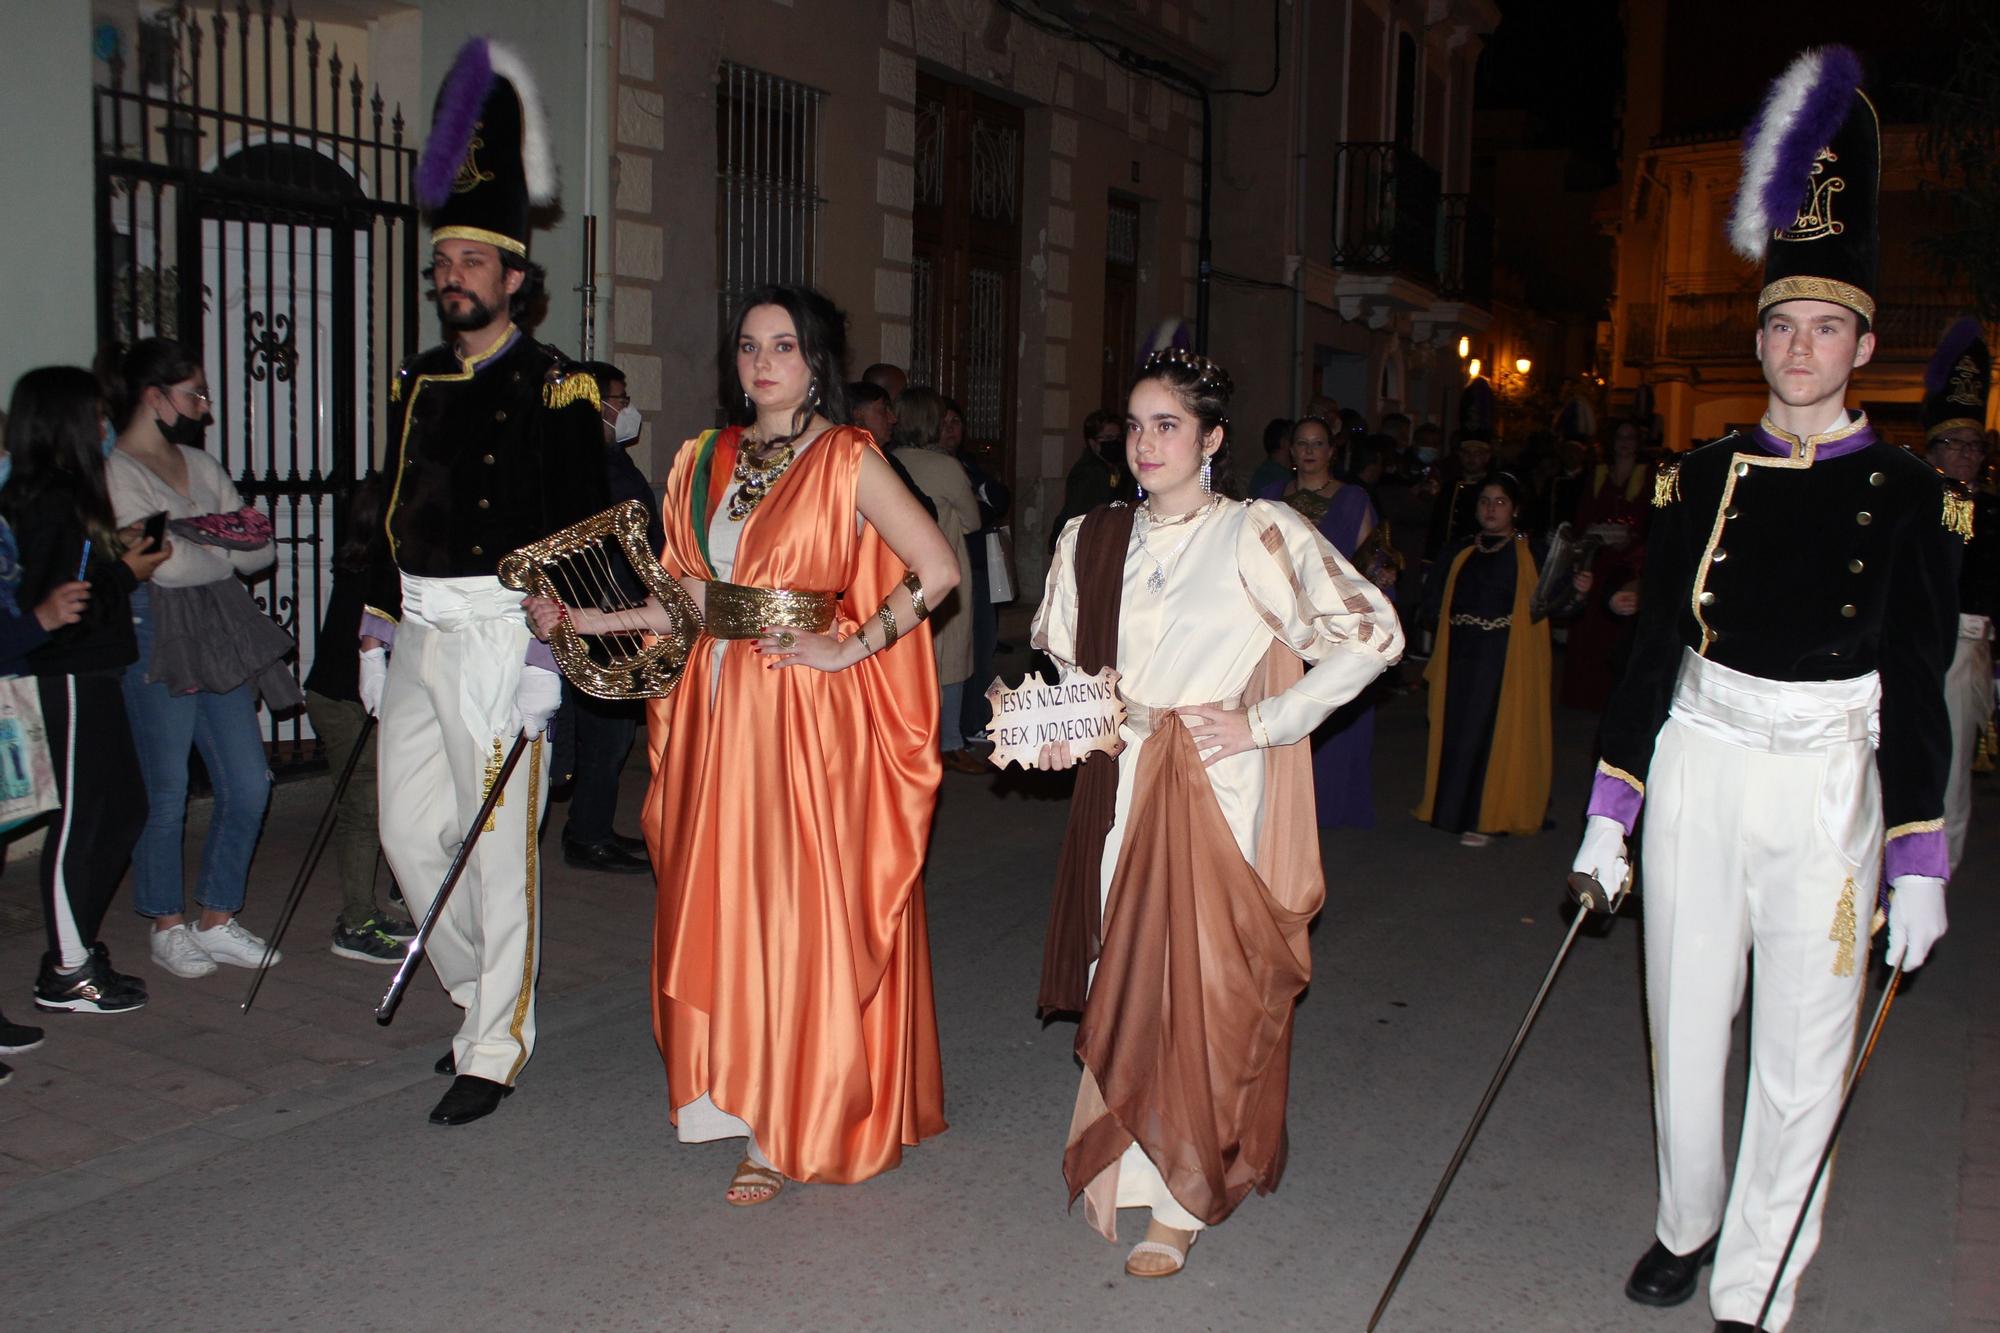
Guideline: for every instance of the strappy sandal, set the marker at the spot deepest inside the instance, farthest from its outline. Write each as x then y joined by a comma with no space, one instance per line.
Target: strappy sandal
750,1176
1165,1251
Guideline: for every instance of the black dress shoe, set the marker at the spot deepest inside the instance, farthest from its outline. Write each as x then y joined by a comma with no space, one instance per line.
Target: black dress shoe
1662,1277
636,846
470,1098
445,1065
1736,1326
607,856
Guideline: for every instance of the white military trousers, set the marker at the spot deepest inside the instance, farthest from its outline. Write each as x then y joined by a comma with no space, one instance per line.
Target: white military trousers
1968,697
443,733
1762,846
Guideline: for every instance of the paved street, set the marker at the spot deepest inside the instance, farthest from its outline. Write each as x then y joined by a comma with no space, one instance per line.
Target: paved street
188,1167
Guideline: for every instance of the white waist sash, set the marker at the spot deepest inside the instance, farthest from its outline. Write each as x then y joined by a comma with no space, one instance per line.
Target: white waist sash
485,620
1838,718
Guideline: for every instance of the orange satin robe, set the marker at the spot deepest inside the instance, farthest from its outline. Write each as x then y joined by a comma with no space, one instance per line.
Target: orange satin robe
788,820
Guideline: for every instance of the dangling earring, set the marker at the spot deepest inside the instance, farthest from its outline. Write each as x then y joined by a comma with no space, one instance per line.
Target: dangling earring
746,400
1142,492
812,392
1208,475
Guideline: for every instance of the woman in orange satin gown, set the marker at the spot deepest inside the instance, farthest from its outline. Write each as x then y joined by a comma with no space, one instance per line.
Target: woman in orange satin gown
795,769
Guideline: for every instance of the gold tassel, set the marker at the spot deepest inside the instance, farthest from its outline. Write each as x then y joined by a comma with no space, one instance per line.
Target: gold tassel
493,763
565,387
1987,751
396,388
1666,485
1843,930
1958,514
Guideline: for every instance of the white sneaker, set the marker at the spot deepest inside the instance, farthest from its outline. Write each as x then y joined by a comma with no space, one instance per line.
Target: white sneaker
175,949
230,943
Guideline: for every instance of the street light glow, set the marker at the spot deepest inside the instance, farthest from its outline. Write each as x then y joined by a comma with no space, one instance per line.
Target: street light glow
1523,365
1472,368
1464,347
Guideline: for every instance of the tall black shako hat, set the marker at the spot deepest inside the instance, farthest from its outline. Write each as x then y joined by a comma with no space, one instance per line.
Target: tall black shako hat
1957,380
488,157
1807,206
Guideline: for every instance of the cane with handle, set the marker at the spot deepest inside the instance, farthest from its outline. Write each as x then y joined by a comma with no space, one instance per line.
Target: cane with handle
314,847
1826,1154
414,951
1590,897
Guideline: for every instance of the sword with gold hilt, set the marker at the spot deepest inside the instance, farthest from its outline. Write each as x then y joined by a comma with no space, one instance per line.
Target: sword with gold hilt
1590,897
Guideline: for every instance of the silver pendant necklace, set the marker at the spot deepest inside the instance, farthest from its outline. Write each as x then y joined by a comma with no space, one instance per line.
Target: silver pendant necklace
1156,582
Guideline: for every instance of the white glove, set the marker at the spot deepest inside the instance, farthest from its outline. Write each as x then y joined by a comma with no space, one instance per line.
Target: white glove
535,701
1602,857
1916,919
374,674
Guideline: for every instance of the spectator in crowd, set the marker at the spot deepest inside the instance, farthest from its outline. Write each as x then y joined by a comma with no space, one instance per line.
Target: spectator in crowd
1397,426
994,502
206,653
1615,507
594,736
365,930
1100,474
920,449
1275,469
1490,738
1343,746
873,410
78,572
892,380
1563,499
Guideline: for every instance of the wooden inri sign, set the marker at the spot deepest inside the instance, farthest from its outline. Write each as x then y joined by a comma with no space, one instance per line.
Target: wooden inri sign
1083,710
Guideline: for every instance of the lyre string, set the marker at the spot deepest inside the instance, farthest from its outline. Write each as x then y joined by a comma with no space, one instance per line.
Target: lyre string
594,572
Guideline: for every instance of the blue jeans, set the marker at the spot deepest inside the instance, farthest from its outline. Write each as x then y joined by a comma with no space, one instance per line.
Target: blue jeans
165,727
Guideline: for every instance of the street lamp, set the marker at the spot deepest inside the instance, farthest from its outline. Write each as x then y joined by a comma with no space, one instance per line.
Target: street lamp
1472,368
1522,365
1464,347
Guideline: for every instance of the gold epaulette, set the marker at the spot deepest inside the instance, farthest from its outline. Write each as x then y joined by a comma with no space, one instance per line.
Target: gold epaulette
565,386
1957,511
1666,485
396,384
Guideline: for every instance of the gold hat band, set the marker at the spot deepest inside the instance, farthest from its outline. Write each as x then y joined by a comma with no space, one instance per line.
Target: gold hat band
1817,289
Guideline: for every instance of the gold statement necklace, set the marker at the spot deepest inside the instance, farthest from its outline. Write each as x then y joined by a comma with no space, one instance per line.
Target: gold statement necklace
756,477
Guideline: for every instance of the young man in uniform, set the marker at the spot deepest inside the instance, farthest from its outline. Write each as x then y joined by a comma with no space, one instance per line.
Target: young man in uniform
1799,603
495,442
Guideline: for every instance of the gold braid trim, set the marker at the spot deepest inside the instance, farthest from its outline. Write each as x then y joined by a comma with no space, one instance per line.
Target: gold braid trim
1613,771
564,387
1666,485
493,763
1914,826
1843,932
532,885
1958,514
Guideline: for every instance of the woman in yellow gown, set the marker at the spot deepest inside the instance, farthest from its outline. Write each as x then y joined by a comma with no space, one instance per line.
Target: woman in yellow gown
795,769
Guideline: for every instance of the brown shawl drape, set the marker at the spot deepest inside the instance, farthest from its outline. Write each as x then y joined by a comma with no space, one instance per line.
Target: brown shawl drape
1075,915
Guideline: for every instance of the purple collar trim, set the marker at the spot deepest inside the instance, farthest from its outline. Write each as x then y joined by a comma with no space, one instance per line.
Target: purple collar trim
1856,435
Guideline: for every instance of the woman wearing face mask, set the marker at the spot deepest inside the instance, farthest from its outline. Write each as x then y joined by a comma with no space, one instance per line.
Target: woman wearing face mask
1488,769
1190,870
205,654
795,768
78,574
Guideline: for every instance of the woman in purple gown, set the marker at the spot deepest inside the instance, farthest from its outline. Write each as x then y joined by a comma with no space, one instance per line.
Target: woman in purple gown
1344,744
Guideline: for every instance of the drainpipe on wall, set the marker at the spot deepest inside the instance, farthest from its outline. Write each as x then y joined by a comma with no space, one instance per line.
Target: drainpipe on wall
587,339
1302,17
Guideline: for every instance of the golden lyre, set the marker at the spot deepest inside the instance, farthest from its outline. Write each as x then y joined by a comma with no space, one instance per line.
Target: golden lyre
603,563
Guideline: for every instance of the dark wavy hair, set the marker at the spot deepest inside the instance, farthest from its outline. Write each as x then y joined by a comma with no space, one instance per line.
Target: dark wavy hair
361,531
1510,484
822,329
1204,390
125,373
529,302
54,437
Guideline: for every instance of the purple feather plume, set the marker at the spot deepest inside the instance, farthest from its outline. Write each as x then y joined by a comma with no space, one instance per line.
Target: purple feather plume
459,104
1957,338
1800,115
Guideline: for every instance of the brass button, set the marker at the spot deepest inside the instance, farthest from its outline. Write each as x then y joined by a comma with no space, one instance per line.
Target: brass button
485,503
1719,556
1742,469
1732,513
1864,518
1855,566
1877,479
487,459
479,550
1707,599
1848,611
501,415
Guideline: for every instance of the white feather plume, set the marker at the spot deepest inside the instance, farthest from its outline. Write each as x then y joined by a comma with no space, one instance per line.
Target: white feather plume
1749,229
538,159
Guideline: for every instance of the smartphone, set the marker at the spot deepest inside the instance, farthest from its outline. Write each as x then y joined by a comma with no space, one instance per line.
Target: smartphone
156,530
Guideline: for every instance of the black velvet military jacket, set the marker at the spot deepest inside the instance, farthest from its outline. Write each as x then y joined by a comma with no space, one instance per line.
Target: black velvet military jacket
487,455
1802,560
1979,583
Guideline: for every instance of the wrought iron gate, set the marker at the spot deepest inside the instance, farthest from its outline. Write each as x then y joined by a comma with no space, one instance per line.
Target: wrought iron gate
251,203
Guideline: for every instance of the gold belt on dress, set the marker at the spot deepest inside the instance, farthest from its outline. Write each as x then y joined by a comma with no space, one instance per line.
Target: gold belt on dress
736,611
1481,622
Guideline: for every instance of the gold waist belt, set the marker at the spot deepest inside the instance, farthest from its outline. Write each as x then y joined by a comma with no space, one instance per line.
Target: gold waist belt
1481,622
739,612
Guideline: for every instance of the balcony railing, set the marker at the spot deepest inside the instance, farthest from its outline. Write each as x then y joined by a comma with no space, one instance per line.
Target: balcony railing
1385,211
1717,326
1710,326
1465,251
1642,333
